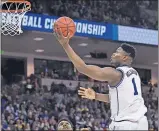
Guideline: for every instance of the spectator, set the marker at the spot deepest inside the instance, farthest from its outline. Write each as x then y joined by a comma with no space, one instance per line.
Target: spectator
29,86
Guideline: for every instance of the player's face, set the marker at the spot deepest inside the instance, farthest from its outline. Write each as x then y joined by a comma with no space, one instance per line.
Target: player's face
118,57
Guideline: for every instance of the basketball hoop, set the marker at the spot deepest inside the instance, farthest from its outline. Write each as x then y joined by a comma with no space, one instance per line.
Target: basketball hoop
12,12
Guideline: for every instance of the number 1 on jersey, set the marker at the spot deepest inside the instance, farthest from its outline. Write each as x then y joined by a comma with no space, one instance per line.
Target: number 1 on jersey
135,88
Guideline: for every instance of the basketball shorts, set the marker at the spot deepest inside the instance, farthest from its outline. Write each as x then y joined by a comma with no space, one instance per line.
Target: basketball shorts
142,124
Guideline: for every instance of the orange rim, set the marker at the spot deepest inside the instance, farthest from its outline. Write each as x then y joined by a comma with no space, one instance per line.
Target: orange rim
28,6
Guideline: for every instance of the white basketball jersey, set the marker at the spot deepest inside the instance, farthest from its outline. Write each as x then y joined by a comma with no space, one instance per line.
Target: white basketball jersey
126,98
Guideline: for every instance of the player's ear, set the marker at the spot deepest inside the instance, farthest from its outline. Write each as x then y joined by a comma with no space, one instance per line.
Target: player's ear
125,57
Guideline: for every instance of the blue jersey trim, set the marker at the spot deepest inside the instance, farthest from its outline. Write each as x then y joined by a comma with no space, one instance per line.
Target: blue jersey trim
122,78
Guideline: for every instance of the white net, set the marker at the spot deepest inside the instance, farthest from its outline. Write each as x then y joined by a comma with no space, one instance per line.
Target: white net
12,15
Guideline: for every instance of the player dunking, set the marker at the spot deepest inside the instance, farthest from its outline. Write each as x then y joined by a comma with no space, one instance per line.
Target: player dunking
125,97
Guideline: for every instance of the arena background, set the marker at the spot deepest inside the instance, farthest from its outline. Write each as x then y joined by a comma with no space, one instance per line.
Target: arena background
36,56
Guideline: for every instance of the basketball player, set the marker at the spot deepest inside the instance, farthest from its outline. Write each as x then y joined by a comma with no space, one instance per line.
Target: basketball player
125,97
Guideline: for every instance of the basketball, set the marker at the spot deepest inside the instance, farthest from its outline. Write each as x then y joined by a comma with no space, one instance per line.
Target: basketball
66,25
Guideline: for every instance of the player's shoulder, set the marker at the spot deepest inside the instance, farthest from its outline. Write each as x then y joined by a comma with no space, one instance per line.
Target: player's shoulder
127,70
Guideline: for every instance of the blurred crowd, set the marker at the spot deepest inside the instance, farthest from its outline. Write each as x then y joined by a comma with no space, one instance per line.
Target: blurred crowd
57,70
128,12
30,106
53,74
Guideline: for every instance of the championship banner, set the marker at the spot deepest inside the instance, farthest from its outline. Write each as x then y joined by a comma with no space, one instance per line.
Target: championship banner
84,28
44,23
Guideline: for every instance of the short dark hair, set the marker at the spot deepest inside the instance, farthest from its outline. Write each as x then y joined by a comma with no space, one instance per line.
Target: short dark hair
129,49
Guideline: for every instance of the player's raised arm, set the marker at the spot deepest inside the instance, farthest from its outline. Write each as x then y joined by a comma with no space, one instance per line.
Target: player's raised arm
102,74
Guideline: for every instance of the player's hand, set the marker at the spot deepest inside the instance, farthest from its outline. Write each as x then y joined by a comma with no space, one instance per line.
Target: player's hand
59,36
87,93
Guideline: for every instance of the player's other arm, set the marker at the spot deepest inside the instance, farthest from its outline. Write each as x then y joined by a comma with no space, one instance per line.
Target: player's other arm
102,97
89,93
102,74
